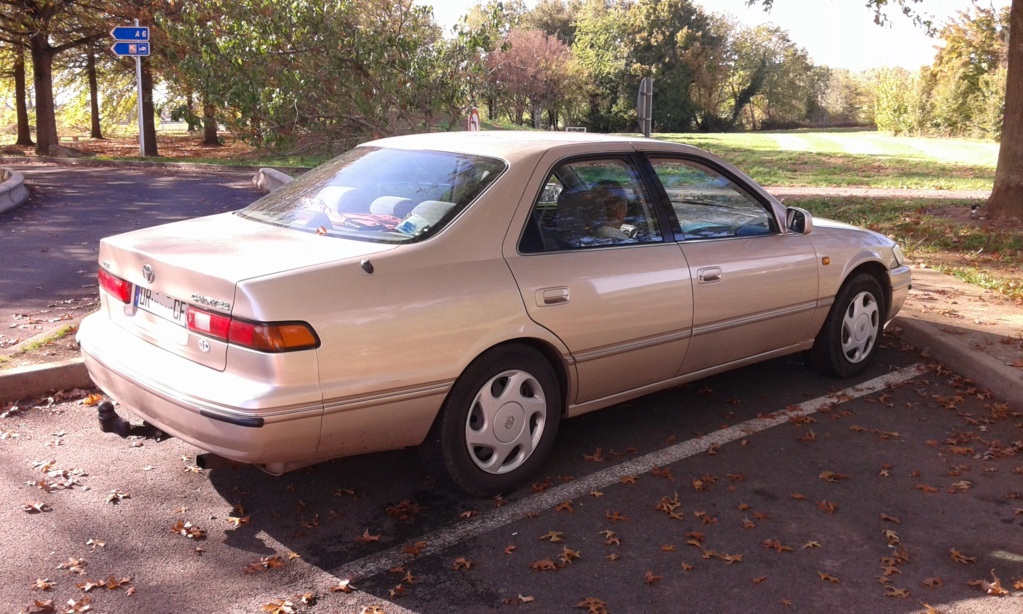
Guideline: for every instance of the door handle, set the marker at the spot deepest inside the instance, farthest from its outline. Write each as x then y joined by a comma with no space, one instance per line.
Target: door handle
709,275
551,296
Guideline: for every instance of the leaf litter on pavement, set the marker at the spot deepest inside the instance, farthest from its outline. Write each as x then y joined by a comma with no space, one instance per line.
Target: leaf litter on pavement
716,523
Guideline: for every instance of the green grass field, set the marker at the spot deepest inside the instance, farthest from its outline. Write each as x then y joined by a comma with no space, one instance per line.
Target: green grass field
853,158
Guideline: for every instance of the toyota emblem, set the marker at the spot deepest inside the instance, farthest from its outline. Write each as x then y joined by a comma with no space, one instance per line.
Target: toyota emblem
147,272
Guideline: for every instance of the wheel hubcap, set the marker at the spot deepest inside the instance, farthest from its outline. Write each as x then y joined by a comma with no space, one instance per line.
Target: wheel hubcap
505,422
860,327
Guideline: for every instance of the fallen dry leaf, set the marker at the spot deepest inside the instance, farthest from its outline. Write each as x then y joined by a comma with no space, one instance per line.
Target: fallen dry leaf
959,557
461,564
891,591
267,562
828,507
651,579
189,530
592,605
991,588
552,536
543,565
366,537
828,577
615,517
343,586
934,582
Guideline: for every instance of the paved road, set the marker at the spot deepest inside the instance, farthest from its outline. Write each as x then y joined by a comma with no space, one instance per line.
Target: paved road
48,246
855,484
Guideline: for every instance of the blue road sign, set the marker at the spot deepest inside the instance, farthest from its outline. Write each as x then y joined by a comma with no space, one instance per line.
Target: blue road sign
131,34
123,48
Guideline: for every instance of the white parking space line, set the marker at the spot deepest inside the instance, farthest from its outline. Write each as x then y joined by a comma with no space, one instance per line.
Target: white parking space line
488,521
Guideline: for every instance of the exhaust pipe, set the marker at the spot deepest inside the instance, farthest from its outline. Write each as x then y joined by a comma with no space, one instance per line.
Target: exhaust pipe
110,422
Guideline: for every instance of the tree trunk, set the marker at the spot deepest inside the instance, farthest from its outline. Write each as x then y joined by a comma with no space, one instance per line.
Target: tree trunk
90,67
209,123
1006,199
148,115
42,74
20,92
190,111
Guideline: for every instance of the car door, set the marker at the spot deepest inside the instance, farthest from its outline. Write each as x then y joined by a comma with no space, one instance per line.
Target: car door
754,285
614,291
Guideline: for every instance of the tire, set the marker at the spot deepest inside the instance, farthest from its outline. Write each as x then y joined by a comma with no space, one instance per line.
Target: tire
848,341
498,423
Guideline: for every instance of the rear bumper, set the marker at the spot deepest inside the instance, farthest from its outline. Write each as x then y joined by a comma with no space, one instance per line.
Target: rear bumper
237,418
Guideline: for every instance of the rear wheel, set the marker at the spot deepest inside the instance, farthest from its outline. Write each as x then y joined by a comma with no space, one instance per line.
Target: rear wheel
850,336
498,424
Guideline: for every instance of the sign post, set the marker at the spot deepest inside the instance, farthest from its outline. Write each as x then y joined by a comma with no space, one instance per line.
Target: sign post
133,41
645,105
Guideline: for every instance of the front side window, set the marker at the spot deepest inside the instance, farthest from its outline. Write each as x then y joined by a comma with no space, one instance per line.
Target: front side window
709,205
377,194
591,203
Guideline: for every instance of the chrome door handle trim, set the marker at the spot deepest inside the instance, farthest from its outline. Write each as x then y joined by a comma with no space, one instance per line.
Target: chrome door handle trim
709,275
552,296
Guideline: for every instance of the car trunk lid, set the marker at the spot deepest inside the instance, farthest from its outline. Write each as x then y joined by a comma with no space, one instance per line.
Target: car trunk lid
199,263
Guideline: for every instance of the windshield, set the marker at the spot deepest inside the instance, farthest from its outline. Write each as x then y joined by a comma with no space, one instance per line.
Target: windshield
376,194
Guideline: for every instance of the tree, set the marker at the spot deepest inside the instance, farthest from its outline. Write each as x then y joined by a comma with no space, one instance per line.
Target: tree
50,27
1006,200
555,18
535,69
601,48
669,40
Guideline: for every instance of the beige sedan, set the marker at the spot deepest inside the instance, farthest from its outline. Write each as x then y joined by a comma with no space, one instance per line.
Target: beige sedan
464,292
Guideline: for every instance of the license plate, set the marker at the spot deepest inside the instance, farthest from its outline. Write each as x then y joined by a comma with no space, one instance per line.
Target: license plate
161,305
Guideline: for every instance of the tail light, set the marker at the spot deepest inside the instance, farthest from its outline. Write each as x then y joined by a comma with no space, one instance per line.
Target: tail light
261,336
115,286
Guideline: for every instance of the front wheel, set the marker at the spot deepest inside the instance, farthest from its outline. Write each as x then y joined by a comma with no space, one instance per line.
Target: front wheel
498,424
850,336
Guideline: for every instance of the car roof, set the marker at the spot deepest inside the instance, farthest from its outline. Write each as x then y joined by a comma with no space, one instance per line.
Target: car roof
501,143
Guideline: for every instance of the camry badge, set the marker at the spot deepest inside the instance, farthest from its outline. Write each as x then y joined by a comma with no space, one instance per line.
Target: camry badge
147,272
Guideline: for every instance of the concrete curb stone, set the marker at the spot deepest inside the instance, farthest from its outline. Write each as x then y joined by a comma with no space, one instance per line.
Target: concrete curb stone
1002,381
37,380
12,189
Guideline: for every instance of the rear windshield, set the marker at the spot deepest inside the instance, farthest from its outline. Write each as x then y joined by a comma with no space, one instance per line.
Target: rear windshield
377,194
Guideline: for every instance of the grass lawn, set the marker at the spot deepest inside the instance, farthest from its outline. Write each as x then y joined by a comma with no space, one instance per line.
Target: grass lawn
944,234
853,158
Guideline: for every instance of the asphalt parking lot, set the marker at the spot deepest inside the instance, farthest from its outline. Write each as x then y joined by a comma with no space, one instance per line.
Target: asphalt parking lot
767,489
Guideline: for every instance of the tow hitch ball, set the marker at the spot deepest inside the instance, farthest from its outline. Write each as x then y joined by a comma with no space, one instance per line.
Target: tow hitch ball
110,422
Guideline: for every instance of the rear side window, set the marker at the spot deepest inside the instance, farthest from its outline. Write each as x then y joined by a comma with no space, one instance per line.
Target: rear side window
709,205
378,194
591,203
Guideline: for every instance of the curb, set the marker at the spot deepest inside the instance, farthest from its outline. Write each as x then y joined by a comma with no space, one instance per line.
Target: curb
270,179
38,380
12,191
1001,380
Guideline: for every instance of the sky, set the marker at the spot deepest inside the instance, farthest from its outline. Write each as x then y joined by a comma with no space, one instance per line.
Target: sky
836,33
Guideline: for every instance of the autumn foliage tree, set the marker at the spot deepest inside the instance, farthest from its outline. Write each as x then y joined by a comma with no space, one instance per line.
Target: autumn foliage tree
48,28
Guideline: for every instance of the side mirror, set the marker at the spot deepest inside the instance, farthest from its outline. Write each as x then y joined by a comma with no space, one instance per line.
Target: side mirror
798,220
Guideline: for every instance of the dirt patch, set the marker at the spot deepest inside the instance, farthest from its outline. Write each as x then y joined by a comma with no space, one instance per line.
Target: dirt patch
52,350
